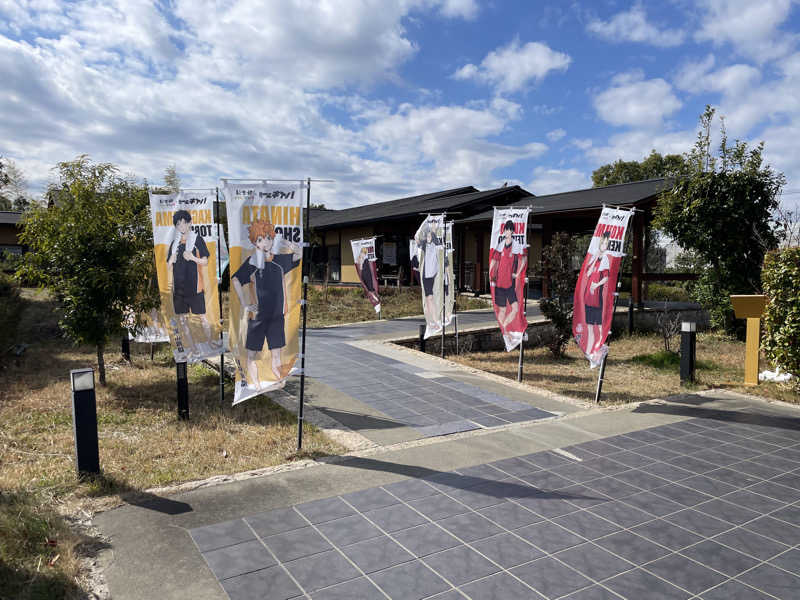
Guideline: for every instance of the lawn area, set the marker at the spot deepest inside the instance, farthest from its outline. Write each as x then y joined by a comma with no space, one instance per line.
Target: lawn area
638,369
348,305
142,444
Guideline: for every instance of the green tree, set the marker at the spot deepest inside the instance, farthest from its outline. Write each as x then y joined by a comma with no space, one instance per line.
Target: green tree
13,187
172,182
651,167
557,265
722,211
93,248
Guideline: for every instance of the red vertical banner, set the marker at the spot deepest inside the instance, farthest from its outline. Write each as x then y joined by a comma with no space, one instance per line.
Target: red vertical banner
366,263
508,265
597,282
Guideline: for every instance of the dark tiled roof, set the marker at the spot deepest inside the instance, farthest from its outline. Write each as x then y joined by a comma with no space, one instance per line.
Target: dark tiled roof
460,198
391,209
623,194
11,217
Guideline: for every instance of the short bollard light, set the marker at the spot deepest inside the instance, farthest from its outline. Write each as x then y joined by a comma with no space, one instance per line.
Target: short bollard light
183,391
422,338
688,351
84,421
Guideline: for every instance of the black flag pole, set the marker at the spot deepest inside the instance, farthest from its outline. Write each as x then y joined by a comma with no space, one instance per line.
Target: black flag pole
219,298
306,270
601,374
444,280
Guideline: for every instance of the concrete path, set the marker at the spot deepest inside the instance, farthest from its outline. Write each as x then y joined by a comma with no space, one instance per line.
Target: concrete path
695,498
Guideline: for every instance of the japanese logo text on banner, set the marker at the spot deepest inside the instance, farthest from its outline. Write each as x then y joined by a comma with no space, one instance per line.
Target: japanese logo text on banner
508,265
597,282
185,244
436,273
266,248
367,268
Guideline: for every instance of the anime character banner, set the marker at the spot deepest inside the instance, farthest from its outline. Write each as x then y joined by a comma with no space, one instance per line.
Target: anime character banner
185,244
150,329
367,268
265,234
508,265
597,282
436,273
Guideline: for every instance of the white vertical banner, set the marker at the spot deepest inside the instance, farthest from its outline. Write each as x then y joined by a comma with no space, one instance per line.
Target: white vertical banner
434,261
508,265
185,246
265,226
366,263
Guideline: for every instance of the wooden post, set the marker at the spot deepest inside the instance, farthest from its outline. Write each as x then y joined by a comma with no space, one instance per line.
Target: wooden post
638,256
547,238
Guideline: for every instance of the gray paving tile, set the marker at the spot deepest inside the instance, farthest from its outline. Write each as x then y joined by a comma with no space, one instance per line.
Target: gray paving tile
653,504
583,497
547,459
620,513
776,462
751,543
667,471
789,479
549,505
789,561
790,514
481,496
594,592
694,464
349,530
323,510
546,480
723,559
469,526
321,570
271,583
775,529
438,507
667,534
550,578
377,554
736,477
640,584
757,471
239,559
410,581
355,589
426,539
395,517
613,487
773,581
500,586
586,525
296,543
734,590
549,537
775,490
682,495
276,521
594,561
685,573
460,565
577,472
410,489
753,501
507,550
727,511
220,535
699,523
369,499
448,595
606,466
632,459
510,515
632,547
708,485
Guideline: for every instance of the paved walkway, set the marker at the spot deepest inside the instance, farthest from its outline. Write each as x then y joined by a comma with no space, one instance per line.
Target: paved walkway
694,498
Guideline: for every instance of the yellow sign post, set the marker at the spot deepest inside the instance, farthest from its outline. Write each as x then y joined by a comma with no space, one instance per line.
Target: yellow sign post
750,308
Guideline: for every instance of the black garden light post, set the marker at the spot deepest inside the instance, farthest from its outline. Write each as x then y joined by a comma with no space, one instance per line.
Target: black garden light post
84,421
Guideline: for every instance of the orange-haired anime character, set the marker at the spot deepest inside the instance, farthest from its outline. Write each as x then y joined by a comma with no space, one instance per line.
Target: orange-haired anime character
265,270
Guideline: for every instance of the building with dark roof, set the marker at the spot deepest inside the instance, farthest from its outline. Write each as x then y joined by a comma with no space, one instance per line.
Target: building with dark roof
9,232
396,221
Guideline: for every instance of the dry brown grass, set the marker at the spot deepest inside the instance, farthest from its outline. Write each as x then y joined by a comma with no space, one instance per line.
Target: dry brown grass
348,305
629,376
142,444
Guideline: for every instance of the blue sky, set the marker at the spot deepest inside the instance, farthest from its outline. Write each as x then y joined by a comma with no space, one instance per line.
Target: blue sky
391,98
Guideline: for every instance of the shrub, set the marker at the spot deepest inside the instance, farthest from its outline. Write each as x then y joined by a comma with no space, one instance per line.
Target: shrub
557,264
10,309
781,279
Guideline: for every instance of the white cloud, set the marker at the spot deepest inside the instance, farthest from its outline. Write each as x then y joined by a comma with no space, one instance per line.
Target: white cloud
632,26
547,180
733,80
636,145
513,67
582,143
752,28
466,9
638,102
556,134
